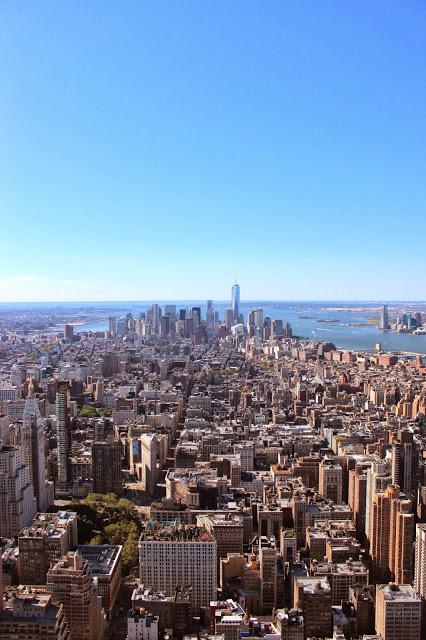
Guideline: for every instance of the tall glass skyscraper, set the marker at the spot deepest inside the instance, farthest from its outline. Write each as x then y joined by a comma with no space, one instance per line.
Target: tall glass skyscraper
384,320
236,301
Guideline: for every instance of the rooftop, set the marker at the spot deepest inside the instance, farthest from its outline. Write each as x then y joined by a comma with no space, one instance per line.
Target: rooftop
183,533
102,558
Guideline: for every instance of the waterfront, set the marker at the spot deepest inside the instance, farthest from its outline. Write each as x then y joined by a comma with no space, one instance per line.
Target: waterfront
351,327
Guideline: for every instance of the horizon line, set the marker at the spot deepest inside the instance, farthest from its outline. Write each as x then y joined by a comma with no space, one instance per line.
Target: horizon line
218,300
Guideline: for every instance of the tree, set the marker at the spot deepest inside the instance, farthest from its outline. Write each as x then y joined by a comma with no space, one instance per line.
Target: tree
88,412
106,519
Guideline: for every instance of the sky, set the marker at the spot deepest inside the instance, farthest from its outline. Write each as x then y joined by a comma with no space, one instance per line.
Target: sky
159,150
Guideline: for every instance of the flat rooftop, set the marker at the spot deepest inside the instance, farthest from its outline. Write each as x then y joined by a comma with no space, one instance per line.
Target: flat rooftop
184,533
102,558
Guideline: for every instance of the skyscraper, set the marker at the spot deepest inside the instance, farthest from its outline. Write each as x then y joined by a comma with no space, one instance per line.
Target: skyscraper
149,454
64,435
17,500
420,564
210,313
235,304
228,318
112,326
405,461
384,320
70,582
32,446
392,533
106,465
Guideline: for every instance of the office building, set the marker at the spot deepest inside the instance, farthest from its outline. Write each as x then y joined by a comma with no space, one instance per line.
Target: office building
105,565
398,612
32,449
268,573
170,310
379,477
149,456
110,364
15,379
235,302
362,598
49,537
277,328
171,558
357,497
290,624
405,461
228,318
384,318
69,332
313,597
71,584
210,314
392,534
18,504
100,392
64,436
164,325
227,530
32,616
106,467
341,576
173,611
121,327
330,480
112,326
154,315
420,565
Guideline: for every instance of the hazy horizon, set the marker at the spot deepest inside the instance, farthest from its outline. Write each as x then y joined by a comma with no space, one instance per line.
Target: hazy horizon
215,301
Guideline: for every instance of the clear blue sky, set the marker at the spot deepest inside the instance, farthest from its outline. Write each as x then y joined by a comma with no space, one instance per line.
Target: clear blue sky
156,150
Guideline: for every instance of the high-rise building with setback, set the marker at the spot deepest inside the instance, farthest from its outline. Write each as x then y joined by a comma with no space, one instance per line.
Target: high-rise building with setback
71,584
49,537
32,447
32,616
18,504
378,479
392,533
105,564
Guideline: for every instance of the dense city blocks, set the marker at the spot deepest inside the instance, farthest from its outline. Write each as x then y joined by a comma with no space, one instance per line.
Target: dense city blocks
188,473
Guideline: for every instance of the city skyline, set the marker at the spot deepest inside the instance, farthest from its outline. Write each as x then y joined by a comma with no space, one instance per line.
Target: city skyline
210,141
212,320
